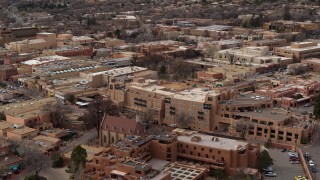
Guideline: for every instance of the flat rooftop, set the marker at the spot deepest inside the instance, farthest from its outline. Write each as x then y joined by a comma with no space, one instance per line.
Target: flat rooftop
137,164
301,49
121,71
79,38
230,69
314,60
31,41
215,28
23,130
267,113
5,125
207,140
192,94
245,99
268,40
26,109
45,59
9,160
165,42
227,42
47,139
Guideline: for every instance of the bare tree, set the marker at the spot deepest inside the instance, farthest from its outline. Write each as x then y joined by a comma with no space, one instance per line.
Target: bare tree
231,57
211,51
57,113
96,111
33,158
243,127
181,70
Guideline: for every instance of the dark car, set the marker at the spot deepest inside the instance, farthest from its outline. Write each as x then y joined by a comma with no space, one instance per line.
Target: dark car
284,150
313,169
307,155
293,158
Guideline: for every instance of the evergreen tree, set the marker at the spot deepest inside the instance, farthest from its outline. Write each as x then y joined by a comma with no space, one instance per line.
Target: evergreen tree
162,70
264,160
78,158
316,109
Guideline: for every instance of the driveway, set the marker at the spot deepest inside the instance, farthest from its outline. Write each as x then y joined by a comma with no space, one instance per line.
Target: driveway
282,166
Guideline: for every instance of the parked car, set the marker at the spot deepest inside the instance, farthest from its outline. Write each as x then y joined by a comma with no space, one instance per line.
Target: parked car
307,104
270,174
299,178
284,150
293,158
307,155
69,130
314,169
311,163
268,169
293,154
295,162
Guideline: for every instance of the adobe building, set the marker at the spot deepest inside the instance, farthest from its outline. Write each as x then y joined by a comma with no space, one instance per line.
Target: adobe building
290,26
43,41
7,71
28,113
21,132
252,55
271,43
6,36
273,125
168,102
292,94
109,43
7,159
299,50
16,59
252,116
232,73
219,153
4,128
46,144
313,63
50,38
214,31
70,51
150,156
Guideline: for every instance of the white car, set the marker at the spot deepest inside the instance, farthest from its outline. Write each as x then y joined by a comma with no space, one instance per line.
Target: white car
311,163
294,162
293,154
270,174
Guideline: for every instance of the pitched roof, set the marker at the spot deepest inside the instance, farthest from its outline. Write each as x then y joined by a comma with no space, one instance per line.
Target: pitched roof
122,125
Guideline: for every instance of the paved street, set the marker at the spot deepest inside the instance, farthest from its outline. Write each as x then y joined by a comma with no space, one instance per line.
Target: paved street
85,138
282,166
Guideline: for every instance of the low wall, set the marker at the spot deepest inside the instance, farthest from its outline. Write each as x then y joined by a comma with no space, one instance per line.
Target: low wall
302,159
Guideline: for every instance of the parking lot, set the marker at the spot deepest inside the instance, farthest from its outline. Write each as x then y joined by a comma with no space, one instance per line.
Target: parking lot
282,166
